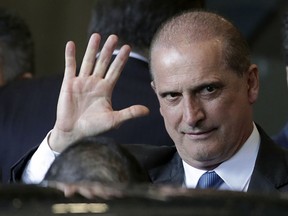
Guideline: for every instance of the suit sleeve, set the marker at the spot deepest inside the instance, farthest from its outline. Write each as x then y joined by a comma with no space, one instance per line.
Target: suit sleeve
32,167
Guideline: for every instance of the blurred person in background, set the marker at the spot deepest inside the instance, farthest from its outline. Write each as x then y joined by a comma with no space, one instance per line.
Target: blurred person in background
95,160
135,22
16,69
16,48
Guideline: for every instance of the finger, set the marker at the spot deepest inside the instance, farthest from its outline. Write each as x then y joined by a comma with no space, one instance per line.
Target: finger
85,192
69,190
131,112
118,64
90,55
70,61
104,58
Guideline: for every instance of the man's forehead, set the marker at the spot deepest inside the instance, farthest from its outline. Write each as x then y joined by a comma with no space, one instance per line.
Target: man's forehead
186,42
207,52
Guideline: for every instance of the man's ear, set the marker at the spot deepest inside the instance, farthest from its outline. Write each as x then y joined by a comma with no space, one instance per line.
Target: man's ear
154,88
253,83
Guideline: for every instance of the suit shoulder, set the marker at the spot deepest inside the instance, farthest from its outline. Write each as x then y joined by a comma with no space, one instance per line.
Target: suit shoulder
149,155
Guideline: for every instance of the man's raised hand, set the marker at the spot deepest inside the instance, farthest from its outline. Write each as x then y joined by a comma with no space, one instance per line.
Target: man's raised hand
84,105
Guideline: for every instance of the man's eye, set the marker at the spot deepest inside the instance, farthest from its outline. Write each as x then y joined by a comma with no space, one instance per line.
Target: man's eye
208,90
171,96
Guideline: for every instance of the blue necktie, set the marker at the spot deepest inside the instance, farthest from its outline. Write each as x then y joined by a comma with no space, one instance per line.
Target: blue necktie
209,180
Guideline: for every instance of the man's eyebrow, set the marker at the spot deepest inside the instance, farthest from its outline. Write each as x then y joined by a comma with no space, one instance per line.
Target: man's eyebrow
208,83
195,89
165,92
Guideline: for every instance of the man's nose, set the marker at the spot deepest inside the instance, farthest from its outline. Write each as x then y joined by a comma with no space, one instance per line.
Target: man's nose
193,111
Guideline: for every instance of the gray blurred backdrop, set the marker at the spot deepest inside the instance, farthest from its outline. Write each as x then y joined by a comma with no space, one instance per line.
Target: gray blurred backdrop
54,22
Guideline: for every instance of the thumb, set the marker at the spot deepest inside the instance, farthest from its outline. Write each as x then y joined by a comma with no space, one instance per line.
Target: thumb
131,112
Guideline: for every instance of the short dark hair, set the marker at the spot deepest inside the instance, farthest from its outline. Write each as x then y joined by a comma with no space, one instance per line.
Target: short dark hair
96,159
16,46
135,21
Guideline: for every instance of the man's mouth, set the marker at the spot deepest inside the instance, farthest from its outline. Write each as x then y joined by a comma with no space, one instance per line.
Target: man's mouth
200,134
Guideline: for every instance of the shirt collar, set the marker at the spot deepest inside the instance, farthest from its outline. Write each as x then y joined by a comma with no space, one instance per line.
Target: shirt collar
236,172
133,55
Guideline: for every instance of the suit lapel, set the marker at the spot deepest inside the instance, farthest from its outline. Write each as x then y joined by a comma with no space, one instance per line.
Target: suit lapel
271,167
169,173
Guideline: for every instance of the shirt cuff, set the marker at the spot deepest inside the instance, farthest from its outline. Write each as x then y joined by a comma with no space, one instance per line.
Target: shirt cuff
39,163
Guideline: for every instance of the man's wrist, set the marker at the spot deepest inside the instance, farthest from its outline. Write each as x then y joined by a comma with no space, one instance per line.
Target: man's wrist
58,140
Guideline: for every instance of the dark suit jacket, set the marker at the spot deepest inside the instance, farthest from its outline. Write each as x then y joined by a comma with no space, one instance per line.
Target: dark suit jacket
282,137
164,165
28,112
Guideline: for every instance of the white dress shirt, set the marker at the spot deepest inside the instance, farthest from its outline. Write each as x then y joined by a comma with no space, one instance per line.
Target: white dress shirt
39,163
235,172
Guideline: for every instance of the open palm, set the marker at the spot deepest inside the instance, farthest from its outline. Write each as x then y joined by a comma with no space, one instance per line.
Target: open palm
84,106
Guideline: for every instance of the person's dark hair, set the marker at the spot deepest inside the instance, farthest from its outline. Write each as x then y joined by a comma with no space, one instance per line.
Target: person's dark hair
135,21
199,25
16,46
96,159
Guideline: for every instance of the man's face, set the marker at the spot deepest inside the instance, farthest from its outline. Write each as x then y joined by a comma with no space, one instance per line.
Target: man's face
207,108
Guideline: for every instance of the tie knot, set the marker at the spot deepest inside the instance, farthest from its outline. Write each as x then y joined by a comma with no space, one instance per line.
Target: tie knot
209,180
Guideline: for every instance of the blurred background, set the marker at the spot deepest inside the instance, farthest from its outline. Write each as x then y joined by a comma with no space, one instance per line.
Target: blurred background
54,22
